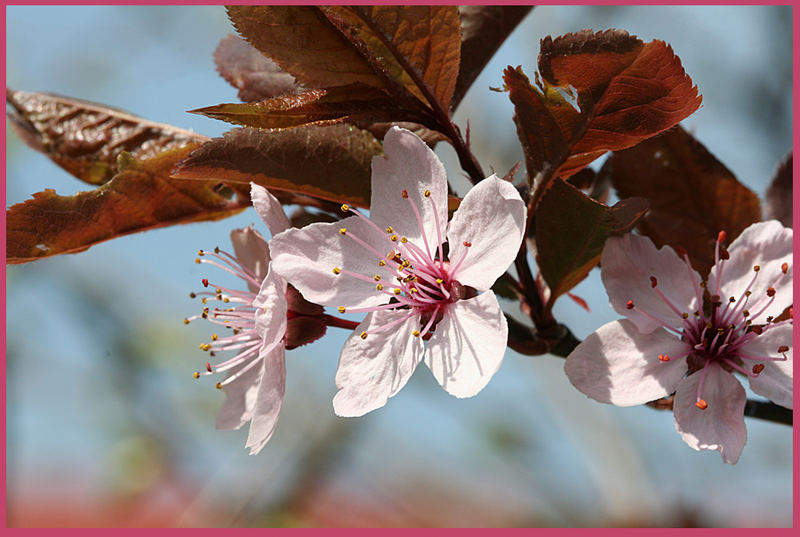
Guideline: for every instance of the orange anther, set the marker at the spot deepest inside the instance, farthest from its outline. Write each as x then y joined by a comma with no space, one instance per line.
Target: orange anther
701,404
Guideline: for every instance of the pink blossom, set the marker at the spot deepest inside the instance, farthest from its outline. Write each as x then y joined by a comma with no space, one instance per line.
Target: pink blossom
257,317
393,267
674,340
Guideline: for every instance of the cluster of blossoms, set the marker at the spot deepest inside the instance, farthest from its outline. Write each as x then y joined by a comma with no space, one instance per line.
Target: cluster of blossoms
421,282
424,285
689,337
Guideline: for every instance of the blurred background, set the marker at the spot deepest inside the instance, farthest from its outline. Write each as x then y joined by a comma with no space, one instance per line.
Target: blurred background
106,427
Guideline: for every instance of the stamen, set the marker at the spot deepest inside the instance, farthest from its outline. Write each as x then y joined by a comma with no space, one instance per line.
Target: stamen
664,357
701,404
758,368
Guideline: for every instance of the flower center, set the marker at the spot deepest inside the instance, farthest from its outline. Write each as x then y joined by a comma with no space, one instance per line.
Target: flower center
415,277
719,333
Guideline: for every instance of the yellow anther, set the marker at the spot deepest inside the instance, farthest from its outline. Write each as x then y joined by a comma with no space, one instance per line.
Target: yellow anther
403,240
390,255
685,315
363,335
342,230
439,281
226,300
745,313
379,287
205,310
197,260
413,290
219,385
201,253
427,193
342,309
186,321
204,300
377,277
393,238
703,284
337,270
397,290
381,263
345,207
406,263
390,229
214,337
416,333
205,346
196,374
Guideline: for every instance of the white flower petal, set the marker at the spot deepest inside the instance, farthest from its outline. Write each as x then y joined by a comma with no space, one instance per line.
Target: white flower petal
252,252
410,165
775,381
768,245
721,425
617,364
272,308
306,258
491,218
269,209
626,266
240,398
374,369
468,345
269,398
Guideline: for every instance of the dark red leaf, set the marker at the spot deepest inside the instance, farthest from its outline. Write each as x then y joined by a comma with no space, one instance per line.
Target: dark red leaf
86,138
253,74
571,230
692,195
139,197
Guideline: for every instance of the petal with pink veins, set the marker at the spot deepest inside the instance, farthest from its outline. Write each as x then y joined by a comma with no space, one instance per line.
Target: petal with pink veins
468,345
410,165
374,369
491,218
269,209
628,262
252,252
768,245
269,398
307,257
775,380
270,316
240,398
619,365
720,426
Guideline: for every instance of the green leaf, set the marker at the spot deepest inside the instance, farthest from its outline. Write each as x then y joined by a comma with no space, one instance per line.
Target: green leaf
692,195
138,198
86,138
571,230
327,162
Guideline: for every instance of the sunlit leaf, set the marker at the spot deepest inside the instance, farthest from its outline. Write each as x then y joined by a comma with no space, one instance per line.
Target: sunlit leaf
318,106
779,193
571,230
139,197
327,162
253,74
604,91
692,195
483,30
86,138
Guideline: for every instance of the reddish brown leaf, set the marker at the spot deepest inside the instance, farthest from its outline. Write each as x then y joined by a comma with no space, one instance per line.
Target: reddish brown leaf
253,74
86,138
318,106
327,162
483,30
571,230
605,91
692,195
418,46
139,197
779,193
